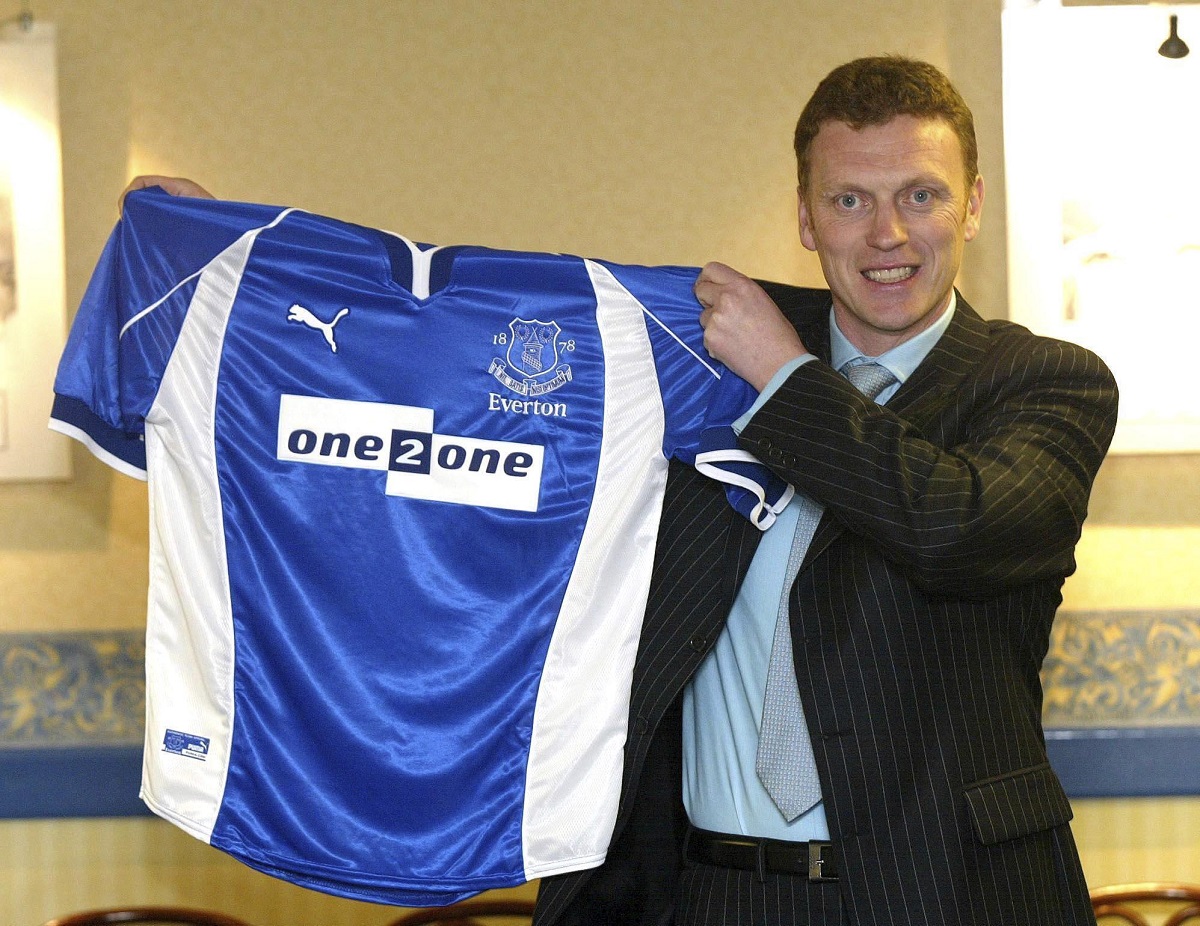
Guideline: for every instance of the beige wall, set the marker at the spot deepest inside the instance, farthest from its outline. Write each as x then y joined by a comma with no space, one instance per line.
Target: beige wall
638,130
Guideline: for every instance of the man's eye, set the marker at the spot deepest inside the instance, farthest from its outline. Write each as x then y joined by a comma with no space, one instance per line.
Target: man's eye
848,200
922,197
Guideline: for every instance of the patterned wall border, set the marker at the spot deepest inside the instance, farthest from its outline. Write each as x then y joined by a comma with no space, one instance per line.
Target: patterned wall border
1122,705
1122,712
72,689
72,709
1123,668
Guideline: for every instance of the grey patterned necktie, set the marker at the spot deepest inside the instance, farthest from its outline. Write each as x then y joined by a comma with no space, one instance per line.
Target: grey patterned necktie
869,378
785,763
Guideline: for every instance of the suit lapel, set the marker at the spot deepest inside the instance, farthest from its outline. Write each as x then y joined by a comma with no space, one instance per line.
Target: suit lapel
925,394
957,353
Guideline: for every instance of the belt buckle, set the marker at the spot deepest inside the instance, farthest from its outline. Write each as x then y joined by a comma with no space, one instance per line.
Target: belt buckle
816,862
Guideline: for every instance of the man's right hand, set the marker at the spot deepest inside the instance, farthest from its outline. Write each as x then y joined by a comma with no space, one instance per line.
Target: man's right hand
176,186
743,328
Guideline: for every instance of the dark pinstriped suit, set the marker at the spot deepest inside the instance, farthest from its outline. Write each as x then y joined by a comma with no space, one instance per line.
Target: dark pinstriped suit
920,618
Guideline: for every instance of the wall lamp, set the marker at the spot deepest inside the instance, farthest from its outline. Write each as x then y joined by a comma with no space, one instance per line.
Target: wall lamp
1174,46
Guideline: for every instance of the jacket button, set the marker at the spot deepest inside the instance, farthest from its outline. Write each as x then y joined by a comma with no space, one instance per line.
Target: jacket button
699,644
640,726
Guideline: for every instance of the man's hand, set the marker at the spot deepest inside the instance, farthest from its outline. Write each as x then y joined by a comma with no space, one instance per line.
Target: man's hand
743,328
176,186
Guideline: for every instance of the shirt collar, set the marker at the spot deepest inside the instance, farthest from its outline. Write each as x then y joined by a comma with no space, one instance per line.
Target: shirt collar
903,359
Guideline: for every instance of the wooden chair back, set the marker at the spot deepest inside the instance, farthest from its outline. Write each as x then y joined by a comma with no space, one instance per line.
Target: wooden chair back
158,916
1131,904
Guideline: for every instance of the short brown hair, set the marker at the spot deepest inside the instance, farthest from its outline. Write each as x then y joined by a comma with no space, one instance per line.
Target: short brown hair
873,91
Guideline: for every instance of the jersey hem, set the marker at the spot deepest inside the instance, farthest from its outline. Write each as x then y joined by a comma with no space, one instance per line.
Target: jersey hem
369,886
534,872
184,823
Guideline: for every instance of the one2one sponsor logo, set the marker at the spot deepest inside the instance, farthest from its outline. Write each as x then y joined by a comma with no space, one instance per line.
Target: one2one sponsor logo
400,440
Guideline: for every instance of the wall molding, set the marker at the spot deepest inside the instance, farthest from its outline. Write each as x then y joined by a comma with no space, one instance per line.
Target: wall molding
1121,710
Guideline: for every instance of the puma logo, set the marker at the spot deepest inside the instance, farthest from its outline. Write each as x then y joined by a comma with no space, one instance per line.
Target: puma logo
298,313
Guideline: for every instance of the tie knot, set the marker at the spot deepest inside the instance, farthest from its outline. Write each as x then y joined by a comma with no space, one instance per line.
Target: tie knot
869,378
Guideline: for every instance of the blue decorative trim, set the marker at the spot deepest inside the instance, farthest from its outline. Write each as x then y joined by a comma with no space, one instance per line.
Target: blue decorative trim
72,709
87,781
1126,761
1122,712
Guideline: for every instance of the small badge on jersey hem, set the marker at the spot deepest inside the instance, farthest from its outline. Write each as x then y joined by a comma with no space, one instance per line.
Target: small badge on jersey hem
533,356
187,745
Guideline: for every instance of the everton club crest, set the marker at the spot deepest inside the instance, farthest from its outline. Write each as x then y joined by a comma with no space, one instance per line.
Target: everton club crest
531,366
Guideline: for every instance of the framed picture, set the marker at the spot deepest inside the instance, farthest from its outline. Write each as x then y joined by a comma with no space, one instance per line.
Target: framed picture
32,308
1101,148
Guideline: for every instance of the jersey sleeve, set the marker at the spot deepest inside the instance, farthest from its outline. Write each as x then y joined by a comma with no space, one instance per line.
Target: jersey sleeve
122,335
701,398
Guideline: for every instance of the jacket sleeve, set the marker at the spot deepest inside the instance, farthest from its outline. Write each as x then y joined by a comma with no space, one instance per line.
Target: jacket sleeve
989,493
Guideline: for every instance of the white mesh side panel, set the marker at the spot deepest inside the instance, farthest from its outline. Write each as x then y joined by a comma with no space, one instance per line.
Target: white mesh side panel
189,631
579,731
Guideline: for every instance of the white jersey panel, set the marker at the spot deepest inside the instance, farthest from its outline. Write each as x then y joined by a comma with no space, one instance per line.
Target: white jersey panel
189,626
577,751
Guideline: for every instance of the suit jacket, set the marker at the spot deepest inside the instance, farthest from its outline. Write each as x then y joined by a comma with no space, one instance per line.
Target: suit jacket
920,618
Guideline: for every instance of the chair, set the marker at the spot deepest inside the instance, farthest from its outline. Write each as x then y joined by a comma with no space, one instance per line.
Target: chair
1113,902
147,915
465,913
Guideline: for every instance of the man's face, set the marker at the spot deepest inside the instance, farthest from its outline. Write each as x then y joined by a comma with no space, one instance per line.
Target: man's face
888,216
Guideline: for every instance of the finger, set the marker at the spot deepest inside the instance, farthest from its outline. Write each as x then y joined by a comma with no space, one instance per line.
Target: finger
176,186
718,272
137,183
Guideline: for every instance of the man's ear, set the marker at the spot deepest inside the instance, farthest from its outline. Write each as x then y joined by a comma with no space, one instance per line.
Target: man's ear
974,209
807,238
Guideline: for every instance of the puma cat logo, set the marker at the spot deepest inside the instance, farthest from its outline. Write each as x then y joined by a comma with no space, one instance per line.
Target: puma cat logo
298,313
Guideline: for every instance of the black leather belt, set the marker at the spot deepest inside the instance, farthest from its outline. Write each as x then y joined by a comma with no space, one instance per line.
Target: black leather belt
816,860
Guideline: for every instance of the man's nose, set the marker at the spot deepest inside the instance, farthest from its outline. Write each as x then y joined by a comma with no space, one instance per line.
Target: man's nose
888,228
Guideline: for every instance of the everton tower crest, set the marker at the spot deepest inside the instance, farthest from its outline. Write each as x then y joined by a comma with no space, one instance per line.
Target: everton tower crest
531,366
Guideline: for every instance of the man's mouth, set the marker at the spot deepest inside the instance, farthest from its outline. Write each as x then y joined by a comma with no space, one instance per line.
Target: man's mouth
889,275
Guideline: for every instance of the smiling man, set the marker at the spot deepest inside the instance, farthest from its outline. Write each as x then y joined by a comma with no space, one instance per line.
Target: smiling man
889,217
838,720
852,703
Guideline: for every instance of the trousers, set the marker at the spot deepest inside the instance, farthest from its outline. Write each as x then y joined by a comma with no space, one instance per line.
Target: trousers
712,896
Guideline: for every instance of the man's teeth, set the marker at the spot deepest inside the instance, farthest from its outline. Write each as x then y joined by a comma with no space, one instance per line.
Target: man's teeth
894,275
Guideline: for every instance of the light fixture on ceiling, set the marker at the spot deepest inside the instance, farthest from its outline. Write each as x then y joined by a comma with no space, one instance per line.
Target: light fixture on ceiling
1174,46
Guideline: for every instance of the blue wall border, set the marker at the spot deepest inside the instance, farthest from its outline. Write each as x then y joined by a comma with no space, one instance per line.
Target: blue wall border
72,708
1122,713
83,781
96,781
1126,761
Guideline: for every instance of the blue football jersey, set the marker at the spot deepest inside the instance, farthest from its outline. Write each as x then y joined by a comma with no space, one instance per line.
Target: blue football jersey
403,508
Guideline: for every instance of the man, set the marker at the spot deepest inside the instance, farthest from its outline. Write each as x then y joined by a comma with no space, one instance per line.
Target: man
927,567
919,572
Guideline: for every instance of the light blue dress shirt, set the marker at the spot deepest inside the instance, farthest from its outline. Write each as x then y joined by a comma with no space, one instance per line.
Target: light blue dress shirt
722,706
